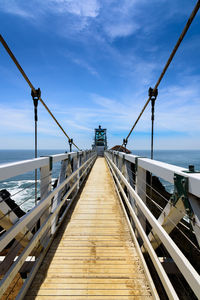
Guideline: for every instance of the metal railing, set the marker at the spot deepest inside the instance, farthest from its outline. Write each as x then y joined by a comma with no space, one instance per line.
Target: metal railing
140,214
43,220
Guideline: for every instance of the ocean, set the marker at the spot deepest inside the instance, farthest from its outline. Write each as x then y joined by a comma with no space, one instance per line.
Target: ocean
22,188
182,158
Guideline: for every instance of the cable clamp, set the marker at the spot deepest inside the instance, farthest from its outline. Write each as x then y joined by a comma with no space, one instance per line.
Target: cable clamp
70,141
125,141
70,144
36,94
153,93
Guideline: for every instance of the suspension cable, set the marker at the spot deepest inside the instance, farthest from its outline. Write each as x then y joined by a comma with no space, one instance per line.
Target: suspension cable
31,85
189,22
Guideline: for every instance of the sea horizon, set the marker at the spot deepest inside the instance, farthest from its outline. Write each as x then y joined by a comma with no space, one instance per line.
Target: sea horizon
182,158
22,186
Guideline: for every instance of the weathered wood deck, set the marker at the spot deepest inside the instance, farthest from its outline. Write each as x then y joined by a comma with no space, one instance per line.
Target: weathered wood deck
93,256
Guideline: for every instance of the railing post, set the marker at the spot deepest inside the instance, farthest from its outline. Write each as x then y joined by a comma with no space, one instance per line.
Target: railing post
117,159
45,188
141,190
78,166
121,161
84,156
58,196
80,163
75,167
45,179
126,171
112,158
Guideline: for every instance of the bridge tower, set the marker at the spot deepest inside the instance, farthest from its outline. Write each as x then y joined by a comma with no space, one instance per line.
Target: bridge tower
100,141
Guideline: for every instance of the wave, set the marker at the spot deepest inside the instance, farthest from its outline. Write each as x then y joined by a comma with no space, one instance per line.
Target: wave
22,192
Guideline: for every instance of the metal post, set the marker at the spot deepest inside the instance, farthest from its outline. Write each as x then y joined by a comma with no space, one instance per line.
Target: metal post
153,95
36,95
152,124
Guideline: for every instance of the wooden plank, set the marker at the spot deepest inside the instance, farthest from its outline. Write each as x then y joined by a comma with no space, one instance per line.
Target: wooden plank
98,264
93,281
92,256
21,237
100,292
82,286
8,260
13,289
83,297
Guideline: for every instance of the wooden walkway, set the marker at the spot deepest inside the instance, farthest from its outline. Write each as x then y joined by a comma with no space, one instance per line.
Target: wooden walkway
93,256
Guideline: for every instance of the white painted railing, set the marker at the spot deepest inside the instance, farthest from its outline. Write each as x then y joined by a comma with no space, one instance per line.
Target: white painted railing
135,200
42,221
164,171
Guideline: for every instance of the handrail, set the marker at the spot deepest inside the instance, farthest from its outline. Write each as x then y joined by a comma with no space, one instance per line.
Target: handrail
164,170
159,268
11,273
20,167
181,261
36,211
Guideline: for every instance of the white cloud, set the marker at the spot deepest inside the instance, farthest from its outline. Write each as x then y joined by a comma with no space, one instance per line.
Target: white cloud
95,26
73,124
116,18
178,116
21,121
120,30
14,7
178,108
85,65
86,8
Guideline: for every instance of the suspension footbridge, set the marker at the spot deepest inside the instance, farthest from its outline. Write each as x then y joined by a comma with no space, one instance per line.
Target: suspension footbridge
106,228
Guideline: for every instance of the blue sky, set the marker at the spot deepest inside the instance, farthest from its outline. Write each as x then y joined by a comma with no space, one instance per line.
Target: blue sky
94,62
